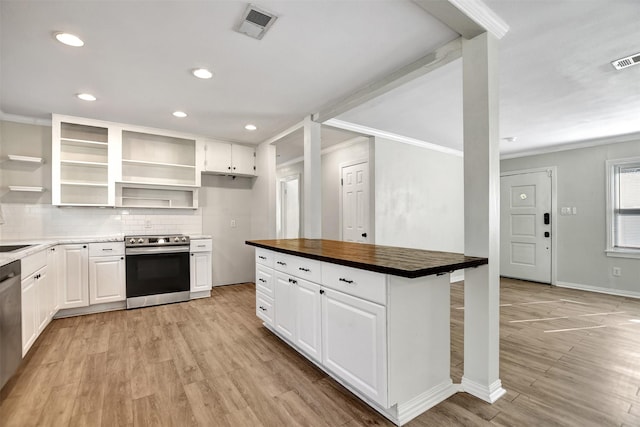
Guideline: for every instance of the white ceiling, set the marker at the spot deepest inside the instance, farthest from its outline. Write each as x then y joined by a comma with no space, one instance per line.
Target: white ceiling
557,84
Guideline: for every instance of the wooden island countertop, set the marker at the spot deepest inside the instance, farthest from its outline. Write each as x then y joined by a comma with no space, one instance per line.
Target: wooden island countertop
404,262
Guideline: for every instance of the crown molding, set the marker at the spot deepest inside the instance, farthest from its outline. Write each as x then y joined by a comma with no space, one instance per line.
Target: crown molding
24,119
629,137
391,136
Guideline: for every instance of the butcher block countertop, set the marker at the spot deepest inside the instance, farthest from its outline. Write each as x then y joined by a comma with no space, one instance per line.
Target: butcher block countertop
392,260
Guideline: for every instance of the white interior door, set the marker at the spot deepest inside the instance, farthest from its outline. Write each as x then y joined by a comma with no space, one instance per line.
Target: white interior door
355,203
525,226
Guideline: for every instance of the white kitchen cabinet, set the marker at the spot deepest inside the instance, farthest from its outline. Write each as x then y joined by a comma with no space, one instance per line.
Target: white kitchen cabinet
73,275
228,159
200,267
52,281
36,313
285,313
308,304
29,313
82,162
354,342
107,273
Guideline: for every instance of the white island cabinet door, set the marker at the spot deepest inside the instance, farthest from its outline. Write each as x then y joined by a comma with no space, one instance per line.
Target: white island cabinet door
285,306
308,304
354,343
107,279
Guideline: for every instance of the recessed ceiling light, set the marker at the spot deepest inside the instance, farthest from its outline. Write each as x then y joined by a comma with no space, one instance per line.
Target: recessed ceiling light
86,97
180,114
250,127
69,39
202,73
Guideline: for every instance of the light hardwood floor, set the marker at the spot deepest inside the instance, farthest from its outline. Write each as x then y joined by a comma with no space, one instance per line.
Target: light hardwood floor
209,362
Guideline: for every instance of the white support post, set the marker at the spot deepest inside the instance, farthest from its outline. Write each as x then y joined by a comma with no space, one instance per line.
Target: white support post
312,215
482,218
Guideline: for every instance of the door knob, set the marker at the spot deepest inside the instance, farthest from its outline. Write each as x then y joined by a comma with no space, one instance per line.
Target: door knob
364,234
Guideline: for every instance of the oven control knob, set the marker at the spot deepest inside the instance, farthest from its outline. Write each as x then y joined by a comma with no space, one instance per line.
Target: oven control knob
141,241
184,238
132,241
176,239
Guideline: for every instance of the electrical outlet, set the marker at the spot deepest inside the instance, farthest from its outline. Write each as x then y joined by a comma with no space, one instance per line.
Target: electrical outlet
233,223
617,271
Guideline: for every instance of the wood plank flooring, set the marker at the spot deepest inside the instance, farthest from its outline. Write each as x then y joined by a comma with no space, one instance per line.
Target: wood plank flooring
209,362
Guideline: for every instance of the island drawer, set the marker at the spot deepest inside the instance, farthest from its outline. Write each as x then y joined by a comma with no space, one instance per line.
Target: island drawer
264,308
305,268
282,262
264,280
356,282
264,257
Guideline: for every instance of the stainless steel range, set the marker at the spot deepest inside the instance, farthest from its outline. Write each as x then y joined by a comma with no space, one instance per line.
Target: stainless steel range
157,269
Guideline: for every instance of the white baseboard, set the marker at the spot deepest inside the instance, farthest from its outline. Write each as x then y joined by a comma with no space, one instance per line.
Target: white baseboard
609,291
489,393
424,401
200,294
91,309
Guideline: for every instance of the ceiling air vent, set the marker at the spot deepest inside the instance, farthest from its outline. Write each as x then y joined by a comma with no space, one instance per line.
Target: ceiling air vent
629,61
255,22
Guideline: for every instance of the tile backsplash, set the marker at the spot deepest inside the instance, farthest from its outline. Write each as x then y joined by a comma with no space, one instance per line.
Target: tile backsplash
34,221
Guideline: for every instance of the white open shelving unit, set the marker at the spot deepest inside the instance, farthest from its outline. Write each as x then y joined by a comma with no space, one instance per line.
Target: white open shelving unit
99,163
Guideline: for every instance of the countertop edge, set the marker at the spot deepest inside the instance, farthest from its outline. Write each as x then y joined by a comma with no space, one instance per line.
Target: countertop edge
410,274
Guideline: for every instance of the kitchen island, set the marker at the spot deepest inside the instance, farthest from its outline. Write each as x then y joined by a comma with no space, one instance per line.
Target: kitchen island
375,318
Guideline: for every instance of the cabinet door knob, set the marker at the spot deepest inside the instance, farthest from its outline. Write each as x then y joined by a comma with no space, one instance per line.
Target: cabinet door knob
84,246
121,257
321,292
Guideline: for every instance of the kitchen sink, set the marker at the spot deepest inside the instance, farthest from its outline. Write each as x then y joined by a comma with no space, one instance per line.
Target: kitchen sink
11,248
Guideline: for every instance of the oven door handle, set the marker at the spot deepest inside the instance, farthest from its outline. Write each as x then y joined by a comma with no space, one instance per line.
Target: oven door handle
157,250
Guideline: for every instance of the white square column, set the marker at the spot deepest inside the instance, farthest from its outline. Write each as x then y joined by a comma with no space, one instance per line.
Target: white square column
482,217
312,207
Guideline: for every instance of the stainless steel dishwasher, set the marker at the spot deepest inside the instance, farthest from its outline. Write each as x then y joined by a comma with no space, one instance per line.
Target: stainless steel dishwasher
10,321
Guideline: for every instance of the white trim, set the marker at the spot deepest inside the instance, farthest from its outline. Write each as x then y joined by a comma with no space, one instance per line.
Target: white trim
24,119
284,133
425,401
482,15
630,137
554,210
391,136
336,147
456,276
600,290
489,393
290,162
610,249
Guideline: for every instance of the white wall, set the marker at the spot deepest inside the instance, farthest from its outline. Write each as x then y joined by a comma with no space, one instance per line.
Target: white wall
581,238
419,197
283,172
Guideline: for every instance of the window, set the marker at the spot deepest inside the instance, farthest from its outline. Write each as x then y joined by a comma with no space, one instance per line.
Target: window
623,207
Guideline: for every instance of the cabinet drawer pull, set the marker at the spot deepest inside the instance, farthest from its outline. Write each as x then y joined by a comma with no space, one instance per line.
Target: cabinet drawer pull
342,279
304,269
262,257
107,249
262,308
262,280
293,281
201,246
281,263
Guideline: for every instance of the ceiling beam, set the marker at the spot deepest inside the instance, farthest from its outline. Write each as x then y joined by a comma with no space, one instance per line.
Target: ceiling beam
284,133
441,56
469,18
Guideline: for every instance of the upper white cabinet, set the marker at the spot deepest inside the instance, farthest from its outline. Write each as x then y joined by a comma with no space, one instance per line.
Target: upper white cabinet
228,159
81,171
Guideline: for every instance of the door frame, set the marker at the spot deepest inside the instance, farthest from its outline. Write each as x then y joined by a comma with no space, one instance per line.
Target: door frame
371,203
554,212
280,216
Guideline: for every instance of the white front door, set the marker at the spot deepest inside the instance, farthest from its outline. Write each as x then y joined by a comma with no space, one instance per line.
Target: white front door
355,203
525,226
